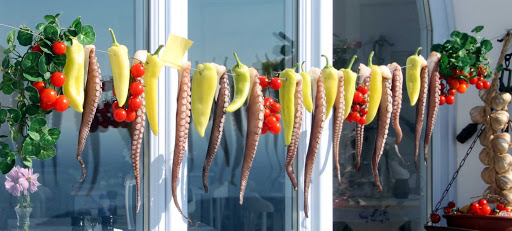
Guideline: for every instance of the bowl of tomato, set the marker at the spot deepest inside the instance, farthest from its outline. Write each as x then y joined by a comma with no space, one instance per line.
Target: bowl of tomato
477,222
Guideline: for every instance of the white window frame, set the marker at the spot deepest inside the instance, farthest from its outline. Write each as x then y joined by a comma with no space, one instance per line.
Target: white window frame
315,29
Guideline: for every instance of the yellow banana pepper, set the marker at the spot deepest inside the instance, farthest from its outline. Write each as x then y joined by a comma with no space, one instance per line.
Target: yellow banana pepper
153,67
74,71
412,76
204,86
242,83
287,100
120,64
349,83
330,79
306,89
375,91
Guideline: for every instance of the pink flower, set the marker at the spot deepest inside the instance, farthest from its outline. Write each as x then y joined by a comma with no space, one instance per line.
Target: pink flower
21,180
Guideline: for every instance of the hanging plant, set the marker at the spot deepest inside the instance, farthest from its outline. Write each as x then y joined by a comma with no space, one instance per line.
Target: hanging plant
34,78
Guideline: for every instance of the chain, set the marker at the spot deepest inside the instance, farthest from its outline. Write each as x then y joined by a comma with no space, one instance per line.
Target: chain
456,173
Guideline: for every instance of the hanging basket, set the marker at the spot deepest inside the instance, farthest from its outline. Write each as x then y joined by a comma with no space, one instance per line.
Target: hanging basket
476,222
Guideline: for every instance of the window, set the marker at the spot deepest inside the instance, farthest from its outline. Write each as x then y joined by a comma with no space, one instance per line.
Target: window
394,37
108,189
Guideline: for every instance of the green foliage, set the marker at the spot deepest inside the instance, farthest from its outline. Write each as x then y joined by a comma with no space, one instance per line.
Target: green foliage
29,136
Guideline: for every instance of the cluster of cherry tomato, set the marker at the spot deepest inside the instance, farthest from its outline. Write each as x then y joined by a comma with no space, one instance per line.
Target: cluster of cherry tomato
274,83
134,102
271,117
49,97
359,106
480,207
459,83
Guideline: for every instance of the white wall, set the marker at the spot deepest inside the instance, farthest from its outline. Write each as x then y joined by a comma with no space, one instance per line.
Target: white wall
494,15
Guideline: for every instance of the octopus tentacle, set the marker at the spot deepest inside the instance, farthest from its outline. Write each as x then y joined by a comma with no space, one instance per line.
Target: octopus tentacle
217,127
339,114
365,78
316,134
433,98
292,148
385,110
396,90
255,116
182,125
420,113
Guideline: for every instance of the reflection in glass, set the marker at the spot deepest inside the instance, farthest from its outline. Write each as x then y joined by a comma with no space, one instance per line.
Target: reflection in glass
262,34
357,204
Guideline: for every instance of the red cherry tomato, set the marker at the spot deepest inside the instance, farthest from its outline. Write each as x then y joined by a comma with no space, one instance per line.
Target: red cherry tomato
362,120
138,70
48,95
355,116
37,48
442,100
59,48
134,103
275,129
263,81
435,218
268,102
61,104
39,85
442,86
130,115
276,83
461,81
267,113
278,116
479,85
473,81
451,204
364,102
452,92
454,84
364,111
364,90
349,119
136,89
450,99
271,121
462,88
447,210
46,106
120,114
58,79
482,202
507,210
485,210
486,85
115,105
474,207
264,129
356,108
275,107
500,207
358,97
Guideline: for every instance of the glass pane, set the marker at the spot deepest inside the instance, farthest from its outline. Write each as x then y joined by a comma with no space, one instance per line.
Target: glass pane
394,36
108,191
263,33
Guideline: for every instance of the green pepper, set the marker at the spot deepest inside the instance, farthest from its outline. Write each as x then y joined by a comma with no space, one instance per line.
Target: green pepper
242,84
412,76
120,64
306,89
287,100
330,79
204,86
349,82
375,91
153,68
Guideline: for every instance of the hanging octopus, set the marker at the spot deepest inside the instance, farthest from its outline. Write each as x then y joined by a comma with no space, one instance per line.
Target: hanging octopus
433,98
365,74
339,115
396,90
292,148
420,110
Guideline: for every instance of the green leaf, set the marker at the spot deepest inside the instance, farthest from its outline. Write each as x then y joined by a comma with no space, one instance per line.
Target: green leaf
49,18
10,49
47,75
47,48
15,114
46,153
31,147
88,36
30,61
27,161
444,60
77,25
24,38
5,150
446,72
5,62
499,68
437,48
6,165
455,34
40,26
51,32
34,135
68,41
37,124
7,89
486,46
31,78
10,37
59,62
54,133
58,15
42,65
477,29
32,109
3,115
